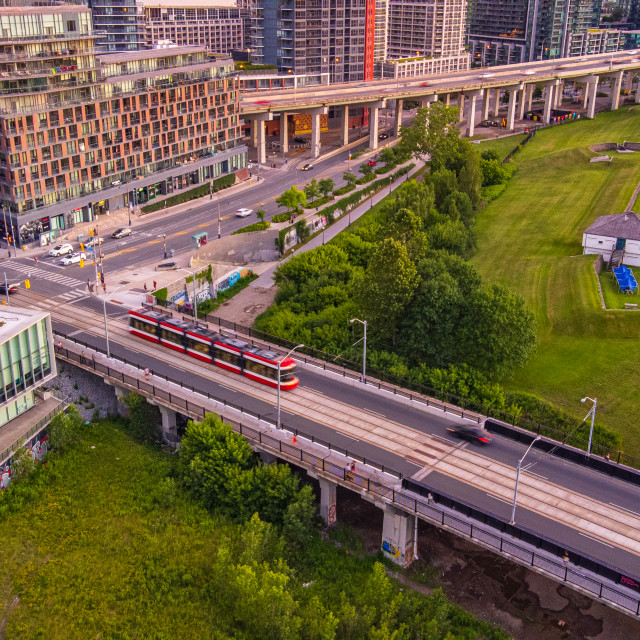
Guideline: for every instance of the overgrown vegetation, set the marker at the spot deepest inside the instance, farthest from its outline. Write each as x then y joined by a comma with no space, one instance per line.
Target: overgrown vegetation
113,539
256,226
185,196
207,306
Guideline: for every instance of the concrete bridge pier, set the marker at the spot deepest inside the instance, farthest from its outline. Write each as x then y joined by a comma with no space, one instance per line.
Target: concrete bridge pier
267,458
461,101
496,102
328,501
447,99
374,108
616,86
258,134
169,425
486,103
398,536
344,124
558,94
397,123
638,92
121,394
549,100
471,119
511,111
590,89
522,99
284,132
628,80
530,89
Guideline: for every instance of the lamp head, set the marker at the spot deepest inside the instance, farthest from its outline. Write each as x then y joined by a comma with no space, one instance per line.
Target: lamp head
584,399
352,320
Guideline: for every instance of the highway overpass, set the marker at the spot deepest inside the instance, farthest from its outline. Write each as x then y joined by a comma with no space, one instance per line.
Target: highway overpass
477,89
561,506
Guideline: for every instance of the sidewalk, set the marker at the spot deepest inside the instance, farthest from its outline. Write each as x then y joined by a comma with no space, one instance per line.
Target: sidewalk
266,278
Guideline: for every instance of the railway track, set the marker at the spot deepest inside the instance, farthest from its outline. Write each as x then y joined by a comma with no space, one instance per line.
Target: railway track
603,522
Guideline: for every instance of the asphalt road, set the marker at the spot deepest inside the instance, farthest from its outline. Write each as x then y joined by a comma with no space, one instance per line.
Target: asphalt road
558,471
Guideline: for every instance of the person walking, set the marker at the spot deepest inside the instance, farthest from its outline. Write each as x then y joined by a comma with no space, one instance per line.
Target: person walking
146,373
35,259
88,285
145,287
155,285
104,287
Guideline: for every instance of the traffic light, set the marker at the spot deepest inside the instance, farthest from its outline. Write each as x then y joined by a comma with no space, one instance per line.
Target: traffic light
27,284
9,239
81,247
91,232
81,263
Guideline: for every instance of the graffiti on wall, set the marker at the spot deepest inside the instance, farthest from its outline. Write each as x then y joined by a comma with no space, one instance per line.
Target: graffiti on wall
37,448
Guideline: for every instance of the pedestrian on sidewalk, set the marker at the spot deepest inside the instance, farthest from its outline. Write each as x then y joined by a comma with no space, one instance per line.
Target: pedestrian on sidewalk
88,285
145,287
104,287
155,285
82,358
146,373
35,259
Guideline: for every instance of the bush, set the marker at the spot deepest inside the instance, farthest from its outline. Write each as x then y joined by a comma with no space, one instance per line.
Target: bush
281,217
491,193
65,428
302,230
368,178
318,202
161,294
256,226
202,190
385,168
144,418
356,154
342,190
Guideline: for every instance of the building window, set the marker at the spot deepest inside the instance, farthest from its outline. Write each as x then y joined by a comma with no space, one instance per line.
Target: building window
71,25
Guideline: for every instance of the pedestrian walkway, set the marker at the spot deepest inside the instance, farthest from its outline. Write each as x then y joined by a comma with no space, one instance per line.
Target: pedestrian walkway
34,272
266,278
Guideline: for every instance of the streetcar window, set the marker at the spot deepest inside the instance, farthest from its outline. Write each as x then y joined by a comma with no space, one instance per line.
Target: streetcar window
142,325
262,370
196,345
286,377
231,358
170,336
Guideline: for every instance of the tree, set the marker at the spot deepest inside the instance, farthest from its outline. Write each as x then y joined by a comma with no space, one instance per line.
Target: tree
470,177
292,199
311,191
65,428
326,186
463,208
387,287
492,172
387,155
365,169
144,418
406,227
349,178
261,213
434,134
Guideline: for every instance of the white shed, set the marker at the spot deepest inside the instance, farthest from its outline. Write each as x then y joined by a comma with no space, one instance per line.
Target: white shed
616,232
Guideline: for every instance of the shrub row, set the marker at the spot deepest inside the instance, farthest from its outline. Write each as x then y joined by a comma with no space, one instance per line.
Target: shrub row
201,190
256,226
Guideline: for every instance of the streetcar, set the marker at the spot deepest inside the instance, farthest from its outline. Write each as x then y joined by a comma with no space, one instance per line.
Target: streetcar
213,348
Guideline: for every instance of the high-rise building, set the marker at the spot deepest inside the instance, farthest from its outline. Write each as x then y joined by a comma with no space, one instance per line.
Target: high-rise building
316,36
526,30
84,134
118,24
216,25
381,26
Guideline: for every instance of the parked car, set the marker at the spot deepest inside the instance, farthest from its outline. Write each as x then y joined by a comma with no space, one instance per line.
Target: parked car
372,163
243,213
300,140
12,289
489,123
307,167
121,233
60,250
383,136
72,259
472,434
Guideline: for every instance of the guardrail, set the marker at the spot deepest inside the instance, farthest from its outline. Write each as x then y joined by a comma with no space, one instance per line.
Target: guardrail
490,535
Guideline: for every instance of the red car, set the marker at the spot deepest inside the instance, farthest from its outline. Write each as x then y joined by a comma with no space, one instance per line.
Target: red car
372,163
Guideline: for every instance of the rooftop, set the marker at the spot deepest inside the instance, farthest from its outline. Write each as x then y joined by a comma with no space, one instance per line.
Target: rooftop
13,320
30,10
617,225
146,54
209,4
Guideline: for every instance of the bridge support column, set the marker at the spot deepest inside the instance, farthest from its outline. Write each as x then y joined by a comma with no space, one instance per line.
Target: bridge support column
169,423
398,531
628,84
592,90
254,133
267,458
486,102
344,124
461,100
559,91
262,142
511,111
121,394
258,135
447,99
471,120
284,132
496,103
638,92
548,103
616,85
328,501
373,128
522,101
398,121
530,89
315,135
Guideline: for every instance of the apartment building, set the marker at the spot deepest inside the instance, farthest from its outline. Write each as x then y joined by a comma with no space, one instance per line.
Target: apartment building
315,37
84,134
216,26
118,24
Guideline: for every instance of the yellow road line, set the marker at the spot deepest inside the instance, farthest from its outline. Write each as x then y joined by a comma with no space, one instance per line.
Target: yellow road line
154,241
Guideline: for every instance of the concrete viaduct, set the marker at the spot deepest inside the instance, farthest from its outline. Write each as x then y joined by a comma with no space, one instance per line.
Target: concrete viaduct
475,89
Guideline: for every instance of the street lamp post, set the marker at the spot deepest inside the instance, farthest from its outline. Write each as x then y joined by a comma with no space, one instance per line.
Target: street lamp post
106,327
164,240
211,190
515,491
592,411
219,223
195,296
364,349
298,346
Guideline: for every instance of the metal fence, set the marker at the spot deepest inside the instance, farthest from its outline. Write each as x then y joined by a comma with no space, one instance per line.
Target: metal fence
428,510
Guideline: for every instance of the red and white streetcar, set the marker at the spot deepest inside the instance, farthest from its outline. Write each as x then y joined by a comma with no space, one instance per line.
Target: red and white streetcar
213,348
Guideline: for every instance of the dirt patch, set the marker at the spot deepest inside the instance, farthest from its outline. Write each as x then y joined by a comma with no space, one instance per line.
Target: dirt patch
525,604
247,305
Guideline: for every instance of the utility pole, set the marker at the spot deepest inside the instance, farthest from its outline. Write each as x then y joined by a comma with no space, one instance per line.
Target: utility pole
219,222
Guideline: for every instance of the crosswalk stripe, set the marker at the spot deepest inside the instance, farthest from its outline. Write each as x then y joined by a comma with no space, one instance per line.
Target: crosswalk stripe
36,272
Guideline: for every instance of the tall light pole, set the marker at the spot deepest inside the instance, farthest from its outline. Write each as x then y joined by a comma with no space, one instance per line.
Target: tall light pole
515,491
298,346
106,327
195,297
219,224
592,412
364,349
164,240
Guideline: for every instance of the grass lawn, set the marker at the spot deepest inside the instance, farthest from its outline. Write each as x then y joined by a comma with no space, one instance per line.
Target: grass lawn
503,146
613,297
530,239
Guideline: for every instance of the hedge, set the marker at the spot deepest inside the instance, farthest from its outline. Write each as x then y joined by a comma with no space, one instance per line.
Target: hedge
201,190
256,226
318,202
281,217
342,190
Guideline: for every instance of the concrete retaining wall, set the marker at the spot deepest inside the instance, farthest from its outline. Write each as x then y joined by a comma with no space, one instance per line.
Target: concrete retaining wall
256,246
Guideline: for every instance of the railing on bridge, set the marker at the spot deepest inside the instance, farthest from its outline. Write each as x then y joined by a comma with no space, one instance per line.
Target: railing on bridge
501,536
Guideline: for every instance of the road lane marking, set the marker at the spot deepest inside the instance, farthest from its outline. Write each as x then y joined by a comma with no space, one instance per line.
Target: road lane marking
537,475
154,241
635,513
595,539
351,437
375,413
497,498
181,233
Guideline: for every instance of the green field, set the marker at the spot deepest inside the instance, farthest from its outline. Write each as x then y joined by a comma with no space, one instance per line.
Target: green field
613,297
503,146
530,239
